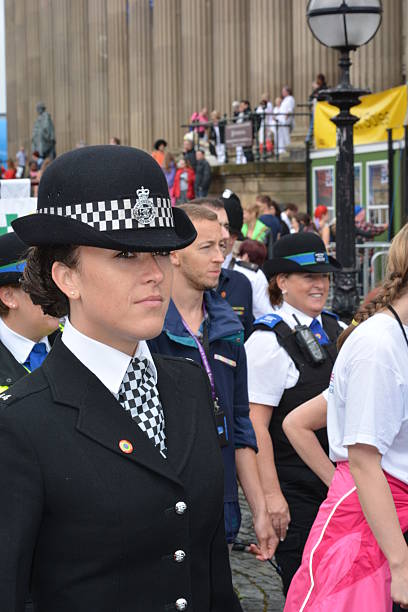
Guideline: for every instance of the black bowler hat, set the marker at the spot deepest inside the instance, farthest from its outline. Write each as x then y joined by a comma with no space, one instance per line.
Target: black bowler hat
12,259
109,197
233,208
304,252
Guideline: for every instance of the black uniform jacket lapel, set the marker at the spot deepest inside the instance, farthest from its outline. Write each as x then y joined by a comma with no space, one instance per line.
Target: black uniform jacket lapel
103,419
10,369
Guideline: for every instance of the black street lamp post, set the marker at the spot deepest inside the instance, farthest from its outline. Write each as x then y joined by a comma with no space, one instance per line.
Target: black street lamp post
344,25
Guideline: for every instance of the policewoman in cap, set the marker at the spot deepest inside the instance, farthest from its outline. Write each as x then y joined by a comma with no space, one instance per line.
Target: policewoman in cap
26,333
110,466
290,358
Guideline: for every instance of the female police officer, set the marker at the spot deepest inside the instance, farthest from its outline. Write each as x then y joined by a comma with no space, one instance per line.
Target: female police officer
290,357
110,471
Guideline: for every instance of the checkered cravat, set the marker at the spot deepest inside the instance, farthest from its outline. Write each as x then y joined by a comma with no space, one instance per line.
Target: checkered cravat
138,394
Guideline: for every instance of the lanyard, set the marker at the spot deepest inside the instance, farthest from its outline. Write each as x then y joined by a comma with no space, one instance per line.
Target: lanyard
204,350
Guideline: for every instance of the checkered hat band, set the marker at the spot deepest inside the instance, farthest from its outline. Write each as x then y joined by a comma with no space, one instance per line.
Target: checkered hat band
121,214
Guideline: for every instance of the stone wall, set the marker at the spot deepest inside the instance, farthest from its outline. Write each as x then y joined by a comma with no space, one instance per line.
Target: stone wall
283,181
137,69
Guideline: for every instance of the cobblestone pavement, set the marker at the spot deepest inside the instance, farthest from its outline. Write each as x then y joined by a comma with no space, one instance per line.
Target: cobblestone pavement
257,584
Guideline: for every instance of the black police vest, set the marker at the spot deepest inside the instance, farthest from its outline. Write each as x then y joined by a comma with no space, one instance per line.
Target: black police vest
313,379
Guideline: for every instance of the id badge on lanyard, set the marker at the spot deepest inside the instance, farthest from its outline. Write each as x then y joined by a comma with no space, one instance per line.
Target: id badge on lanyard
204,350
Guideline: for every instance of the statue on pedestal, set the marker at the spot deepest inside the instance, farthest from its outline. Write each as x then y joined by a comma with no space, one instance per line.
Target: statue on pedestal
43,137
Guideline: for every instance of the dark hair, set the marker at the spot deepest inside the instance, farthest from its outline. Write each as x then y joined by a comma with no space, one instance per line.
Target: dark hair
37,278
275,294
208,201
255,250
291,207
265,199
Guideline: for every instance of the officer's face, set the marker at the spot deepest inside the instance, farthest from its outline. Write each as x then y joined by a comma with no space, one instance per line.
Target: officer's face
24,317
306,292
116,297
200,263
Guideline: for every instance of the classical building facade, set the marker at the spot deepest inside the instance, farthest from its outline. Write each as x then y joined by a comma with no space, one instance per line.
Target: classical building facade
138,69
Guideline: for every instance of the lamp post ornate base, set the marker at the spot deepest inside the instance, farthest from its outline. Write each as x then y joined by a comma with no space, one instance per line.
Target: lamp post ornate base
345,299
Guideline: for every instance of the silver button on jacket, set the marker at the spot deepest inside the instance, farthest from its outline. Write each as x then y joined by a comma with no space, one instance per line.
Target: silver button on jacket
179,556
181,604
181,507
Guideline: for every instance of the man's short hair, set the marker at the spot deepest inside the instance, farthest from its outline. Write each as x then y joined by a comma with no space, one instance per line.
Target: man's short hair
213,202
197,212
291,207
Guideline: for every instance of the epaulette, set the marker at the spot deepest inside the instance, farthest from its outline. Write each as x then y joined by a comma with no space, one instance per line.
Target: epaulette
331,314
270,320
248,265
7,397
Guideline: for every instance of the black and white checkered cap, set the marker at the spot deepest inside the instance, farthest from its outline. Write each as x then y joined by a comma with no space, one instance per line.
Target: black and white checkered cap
120,214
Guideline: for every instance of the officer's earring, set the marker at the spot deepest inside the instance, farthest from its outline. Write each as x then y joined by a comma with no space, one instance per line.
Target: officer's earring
284,291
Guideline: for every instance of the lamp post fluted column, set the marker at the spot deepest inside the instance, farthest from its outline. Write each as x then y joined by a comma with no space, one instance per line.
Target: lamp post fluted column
344,96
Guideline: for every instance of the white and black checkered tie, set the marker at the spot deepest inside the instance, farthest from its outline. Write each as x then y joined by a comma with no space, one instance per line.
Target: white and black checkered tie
138,394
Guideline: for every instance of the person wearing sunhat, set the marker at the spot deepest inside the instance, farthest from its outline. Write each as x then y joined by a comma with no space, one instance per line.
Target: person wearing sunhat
24,328
290,356
110,466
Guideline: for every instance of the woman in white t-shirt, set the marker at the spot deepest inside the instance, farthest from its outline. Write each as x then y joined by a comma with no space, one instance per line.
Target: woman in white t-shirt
356,557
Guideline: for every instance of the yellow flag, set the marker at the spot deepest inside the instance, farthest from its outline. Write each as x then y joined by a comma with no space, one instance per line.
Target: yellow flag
377,112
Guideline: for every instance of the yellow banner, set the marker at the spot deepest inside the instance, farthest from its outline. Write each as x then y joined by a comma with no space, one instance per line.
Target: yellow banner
377,112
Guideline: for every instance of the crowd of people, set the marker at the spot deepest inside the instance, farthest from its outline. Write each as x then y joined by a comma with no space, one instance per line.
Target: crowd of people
192,358
272,124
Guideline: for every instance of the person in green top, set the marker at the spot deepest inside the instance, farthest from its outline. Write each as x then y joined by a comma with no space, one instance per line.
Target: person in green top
254,228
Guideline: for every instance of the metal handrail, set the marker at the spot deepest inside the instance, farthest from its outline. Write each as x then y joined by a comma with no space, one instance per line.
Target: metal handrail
258,121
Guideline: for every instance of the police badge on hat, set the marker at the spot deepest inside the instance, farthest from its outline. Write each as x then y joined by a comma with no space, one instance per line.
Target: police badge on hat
144,211
108,197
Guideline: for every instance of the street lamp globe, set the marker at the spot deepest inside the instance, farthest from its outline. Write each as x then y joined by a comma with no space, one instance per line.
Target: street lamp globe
344,24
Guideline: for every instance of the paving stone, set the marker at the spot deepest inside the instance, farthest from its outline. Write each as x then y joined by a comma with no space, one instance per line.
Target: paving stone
257,584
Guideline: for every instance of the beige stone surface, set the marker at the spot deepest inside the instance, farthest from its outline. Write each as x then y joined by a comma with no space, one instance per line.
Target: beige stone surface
128,69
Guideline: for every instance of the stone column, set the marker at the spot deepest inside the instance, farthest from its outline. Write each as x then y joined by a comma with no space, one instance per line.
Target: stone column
47,56
61,115
309,59
378,65
33,83
21,100
230,56
12,75
98,132
168,86
118,68
404,41
78,62
270,48
140,74
197,55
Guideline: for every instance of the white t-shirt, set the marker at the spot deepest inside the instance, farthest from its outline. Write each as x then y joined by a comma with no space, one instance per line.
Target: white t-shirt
270,369
368,394
260,296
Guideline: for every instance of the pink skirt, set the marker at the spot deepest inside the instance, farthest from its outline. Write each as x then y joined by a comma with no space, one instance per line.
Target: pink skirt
343,568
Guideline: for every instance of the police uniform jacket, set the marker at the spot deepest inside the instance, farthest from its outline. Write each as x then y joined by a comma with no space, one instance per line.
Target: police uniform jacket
228,364
236,289
100,529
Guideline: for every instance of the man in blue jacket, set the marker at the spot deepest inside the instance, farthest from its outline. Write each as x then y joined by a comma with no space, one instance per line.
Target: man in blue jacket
202,326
